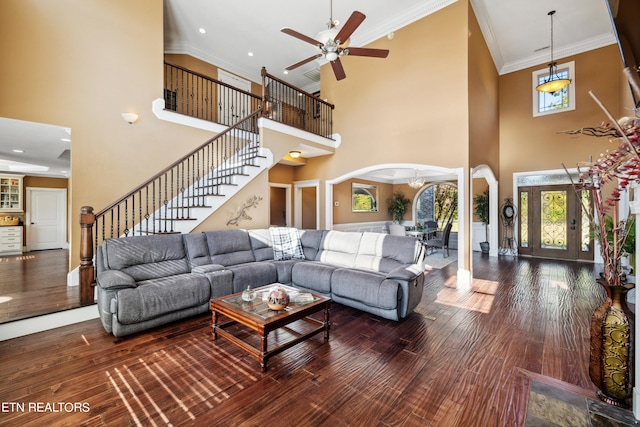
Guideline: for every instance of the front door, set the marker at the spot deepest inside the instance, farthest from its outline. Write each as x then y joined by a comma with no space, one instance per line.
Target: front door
553,224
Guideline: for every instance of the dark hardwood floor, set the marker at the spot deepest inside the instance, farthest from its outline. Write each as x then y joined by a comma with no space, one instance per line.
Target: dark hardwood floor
464,358
35,283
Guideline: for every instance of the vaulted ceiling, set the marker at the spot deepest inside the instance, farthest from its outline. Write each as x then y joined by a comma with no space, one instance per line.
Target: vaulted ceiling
517,33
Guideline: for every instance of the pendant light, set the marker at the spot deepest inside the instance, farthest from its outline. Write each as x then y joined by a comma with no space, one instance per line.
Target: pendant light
553,83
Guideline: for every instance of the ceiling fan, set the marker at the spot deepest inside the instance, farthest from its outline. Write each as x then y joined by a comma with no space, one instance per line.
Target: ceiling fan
333,43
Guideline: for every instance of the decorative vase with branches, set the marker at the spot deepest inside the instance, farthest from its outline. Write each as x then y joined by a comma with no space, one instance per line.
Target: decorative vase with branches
618,168
610,366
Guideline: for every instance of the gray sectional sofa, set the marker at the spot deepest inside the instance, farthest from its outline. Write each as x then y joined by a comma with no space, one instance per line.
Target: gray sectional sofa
147,281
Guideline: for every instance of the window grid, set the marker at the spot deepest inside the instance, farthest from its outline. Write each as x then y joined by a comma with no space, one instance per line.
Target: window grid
557,102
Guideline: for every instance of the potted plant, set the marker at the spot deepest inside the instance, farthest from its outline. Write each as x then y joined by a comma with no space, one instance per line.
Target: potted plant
398,205
481,210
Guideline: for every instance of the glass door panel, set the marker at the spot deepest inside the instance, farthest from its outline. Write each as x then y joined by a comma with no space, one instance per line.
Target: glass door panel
552,223
553,220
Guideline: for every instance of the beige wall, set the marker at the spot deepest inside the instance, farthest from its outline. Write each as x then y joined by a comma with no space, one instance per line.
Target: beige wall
80,64
484,147
530,143
400,109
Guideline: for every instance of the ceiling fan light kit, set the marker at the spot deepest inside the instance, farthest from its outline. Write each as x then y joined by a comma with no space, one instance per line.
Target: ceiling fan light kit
333,44
554,83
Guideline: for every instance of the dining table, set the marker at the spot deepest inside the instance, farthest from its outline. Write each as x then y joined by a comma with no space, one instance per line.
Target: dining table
423,235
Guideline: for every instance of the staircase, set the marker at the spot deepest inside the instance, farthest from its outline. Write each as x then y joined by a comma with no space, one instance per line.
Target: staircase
185,193
190,207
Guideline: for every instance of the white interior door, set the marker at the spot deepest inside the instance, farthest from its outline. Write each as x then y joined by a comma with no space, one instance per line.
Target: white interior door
46,218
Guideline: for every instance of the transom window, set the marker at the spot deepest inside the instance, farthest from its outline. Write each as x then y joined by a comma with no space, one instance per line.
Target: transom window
557,102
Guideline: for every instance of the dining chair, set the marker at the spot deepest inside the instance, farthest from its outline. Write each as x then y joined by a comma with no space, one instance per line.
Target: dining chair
396,230
441,242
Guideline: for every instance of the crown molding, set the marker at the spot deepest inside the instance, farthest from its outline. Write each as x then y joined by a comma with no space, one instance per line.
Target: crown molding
574,49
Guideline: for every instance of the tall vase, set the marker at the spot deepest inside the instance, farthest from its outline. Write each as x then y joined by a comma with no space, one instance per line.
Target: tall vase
610,366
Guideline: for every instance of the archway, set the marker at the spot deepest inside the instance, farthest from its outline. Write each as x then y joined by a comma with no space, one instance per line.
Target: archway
484,171
400,173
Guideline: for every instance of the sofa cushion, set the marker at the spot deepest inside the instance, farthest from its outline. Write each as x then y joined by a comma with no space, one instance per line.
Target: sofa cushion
286,243
368,287
254,273
146,257
160,296
261,244
312,275
195,245
339,248
399,250
229,247
311,241
369,254
283,268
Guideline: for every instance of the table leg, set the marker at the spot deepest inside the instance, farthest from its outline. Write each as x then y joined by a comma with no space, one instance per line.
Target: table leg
263,352
214,326
327,322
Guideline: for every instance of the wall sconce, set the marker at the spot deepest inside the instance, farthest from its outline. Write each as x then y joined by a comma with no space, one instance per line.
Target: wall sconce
130,117
294,154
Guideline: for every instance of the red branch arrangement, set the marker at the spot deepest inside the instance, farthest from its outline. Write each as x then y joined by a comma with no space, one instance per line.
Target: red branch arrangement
622,165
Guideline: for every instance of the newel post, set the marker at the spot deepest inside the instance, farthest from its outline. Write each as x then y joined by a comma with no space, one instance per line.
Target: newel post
87,275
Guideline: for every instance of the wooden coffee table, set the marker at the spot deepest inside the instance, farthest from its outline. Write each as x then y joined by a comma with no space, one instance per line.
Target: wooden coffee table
257,317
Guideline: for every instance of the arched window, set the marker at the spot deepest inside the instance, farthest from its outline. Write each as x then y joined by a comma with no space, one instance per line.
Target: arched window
438,202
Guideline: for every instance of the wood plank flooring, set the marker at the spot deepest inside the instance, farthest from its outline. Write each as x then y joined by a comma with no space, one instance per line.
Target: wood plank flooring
460,360
35,283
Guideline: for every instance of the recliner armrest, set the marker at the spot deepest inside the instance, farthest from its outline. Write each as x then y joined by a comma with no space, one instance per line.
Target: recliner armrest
115,279
405,272
207,268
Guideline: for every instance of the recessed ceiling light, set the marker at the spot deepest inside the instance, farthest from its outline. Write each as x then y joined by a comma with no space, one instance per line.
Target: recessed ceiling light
250,53
202,31
18,151
286,72
65,139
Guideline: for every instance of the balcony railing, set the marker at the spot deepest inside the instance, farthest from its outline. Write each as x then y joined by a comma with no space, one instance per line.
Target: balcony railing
196,95
295,107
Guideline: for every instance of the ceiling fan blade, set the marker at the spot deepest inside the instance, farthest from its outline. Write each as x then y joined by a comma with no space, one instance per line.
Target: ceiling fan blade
337,69
301,36
365,51
350,26
304,61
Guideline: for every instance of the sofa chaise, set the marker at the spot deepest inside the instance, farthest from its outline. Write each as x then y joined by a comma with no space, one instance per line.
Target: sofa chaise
147,281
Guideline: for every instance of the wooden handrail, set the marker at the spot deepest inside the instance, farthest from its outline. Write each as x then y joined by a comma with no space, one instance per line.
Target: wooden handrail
202,76
265,74
176,163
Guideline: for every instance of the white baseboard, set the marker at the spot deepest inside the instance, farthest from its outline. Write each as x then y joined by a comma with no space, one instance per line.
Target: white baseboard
73,277
32,325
